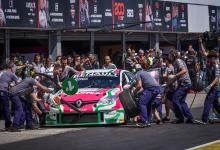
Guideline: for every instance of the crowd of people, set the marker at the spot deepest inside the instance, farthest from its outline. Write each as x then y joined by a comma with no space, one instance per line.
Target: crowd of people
18,82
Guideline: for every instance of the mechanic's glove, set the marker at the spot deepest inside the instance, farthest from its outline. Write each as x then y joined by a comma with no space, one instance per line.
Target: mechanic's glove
207,89
50,90
171,79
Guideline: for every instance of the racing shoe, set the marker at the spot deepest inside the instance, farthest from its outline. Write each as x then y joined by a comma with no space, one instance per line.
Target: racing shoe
31,128
190,120
166,119
177,121
143,124
159,122
13,129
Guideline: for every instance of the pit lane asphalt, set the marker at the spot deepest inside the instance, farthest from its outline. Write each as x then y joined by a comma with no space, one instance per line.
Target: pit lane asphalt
165,137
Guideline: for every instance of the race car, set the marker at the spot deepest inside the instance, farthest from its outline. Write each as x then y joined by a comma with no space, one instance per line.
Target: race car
103,97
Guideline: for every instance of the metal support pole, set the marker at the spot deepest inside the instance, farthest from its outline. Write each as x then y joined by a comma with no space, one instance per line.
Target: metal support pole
123,49
178,44
219,47
55,46
92,42
157,44
7,46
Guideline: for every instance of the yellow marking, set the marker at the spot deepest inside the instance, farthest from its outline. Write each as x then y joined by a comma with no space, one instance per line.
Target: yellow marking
215,145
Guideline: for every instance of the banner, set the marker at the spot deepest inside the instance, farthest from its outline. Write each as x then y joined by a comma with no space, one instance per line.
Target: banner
142,15
183,18
51,14
128,15
107,15
157,8
30,13
57,13
167,16
213,17
71,13
91,13
11,13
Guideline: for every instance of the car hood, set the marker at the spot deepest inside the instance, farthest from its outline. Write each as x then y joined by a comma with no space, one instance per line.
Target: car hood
90,94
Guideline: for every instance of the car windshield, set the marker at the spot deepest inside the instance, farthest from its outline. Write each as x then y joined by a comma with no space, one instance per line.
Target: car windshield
98,82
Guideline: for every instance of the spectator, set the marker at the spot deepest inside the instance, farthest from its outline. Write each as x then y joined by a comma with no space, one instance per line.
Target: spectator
142,60
108,63
94,62
58,60
70,61
86,64
130,60
48,68
37,63
77,60
67,70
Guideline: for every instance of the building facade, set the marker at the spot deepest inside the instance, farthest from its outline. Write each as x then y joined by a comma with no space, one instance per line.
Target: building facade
104,27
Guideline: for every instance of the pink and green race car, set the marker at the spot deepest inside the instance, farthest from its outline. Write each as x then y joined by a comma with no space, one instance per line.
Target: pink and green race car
98,101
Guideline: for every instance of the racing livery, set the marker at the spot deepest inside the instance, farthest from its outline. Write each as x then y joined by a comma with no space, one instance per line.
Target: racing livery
96,102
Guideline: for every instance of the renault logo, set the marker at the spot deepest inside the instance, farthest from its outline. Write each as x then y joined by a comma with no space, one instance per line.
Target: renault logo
78,103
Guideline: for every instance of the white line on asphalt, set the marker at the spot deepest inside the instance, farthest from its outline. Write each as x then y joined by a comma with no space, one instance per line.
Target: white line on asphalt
10,137
203,145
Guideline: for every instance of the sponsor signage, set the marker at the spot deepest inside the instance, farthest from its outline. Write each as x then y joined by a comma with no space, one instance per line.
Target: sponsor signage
142,15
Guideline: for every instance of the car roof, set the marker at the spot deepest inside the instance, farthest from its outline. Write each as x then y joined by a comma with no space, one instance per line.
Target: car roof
99,71
102,70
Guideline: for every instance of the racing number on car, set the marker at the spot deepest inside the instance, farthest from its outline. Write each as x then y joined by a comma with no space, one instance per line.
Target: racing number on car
69,86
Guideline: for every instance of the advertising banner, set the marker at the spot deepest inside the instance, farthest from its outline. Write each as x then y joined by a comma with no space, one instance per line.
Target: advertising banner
157,7
91,13
213,17
30,13
167,16
51,14
142,15
128,15
71,13
11,13
182,18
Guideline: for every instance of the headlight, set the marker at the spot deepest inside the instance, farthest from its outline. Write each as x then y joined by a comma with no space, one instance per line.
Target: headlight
54,100
108,99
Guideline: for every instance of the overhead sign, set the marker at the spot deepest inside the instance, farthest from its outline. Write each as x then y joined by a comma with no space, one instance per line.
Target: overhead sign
128,15
142,15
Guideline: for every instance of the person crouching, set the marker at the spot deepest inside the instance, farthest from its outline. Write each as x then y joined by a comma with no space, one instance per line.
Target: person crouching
151,90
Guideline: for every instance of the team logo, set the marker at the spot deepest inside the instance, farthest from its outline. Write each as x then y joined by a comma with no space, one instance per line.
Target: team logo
78,103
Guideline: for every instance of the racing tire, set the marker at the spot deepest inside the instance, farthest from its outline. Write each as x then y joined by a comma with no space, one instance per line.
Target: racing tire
128,103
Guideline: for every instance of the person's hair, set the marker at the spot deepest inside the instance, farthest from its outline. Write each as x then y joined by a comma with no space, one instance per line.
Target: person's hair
9,65
36,55
58,57
48,60
57,66
77,56
64,58
212,54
